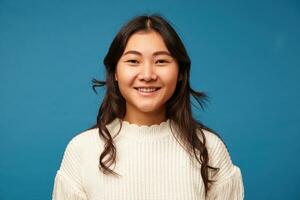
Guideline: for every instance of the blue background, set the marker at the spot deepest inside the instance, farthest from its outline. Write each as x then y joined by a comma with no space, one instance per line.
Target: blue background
245,55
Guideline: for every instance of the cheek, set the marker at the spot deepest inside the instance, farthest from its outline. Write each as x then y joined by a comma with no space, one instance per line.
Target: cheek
124,77
170,78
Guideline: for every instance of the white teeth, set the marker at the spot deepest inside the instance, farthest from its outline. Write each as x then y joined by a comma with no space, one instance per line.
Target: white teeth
146,89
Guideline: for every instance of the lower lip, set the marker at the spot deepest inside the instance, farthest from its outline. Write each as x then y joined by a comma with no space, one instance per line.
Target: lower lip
147,94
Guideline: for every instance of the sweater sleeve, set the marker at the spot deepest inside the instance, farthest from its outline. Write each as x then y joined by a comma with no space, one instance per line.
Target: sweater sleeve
68,184
228,183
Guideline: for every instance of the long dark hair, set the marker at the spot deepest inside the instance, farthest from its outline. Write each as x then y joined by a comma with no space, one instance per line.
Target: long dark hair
178,107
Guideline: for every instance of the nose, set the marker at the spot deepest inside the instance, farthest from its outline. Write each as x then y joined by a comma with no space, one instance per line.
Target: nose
147,73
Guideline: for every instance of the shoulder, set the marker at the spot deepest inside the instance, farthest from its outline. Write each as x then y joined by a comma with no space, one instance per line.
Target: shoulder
90,139
69,180
83,140
227,179
218,153
85,136
213,141
78,150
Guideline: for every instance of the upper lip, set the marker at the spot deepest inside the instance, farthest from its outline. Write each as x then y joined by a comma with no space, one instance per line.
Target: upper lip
146,87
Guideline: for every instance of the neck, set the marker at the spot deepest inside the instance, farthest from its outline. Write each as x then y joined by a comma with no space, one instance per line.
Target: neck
145,118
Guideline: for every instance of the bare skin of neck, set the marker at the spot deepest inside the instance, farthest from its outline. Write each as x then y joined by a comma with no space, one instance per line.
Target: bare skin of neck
145,118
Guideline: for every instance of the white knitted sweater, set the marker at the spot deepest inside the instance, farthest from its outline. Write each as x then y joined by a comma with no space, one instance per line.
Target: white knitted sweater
152,165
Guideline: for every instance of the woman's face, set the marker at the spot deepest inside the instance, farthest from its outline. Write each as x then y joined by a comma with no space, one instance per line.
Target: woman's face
146,74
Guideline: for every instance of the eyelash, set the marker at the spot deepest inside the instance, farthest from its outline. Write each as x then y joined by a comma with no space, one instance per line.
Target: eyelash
132,61
161,61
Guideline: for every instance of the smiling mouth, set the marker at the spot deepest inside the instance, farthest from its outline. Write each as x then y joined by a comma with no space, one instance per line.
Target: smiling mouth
147,89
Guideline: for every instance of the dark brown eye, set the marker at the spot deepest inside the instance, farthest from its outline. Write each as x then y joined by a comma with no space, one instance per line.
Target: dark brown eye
132,61
161,61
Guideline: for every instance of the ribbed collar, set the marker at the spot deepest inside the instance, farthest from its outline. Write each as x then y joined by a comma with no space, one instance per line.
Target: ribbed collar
140,132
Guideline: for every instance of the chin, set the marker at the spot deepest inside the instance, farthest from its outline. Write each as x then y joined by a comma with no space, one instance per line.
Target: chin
147,109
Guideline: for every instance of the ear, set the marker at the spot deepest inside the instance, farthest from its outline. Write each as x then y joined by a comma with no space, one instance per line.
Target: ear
116,78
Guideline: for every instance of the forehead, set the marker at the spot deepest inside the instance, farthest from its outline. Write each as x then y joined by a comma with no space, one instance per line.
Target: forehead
146,41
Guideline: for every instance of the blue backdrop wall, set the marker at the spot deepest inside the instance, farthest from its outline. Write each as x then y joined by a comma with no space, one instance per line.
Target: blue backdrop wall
245,55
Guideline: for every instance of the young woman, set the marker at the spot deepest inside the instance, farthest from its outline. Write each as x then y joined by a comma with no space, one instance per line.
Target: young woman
146,144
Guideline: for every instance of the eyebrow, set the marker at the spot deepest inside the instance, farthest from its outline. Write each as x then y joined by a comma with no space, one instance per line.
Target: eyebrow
154,54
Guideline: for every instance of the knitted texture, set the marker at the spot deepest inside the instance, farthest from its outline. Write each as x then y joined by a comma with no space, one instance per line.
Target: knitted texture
152,165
